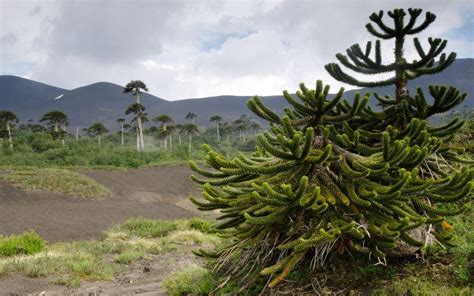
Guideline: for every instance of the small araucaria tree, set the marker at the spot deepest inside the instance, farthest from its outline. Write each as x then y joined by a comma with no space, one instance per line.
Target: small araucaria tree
165,121
217,119
136,87
334,175
57,121
121,122
191,116
191,130
97,130
7,119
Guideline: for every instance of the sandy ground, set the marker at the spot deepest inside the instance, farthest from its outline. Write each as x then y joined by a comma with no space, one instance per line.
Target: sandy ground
159,193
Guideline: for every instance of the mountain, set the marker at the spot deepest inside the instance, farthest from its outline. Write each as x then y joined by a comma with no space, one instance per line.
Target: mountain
105,101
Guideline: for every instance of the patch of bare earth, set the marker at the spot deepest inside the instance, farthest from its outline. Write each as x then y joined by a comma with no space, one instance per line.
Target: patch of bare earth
155,193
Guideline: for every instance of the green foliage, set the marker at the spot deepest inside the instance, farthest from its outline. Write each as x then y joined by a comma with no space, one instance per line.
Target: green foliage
202,225
26,243
193,280
149,228
127,257
41,150
335,175
90,260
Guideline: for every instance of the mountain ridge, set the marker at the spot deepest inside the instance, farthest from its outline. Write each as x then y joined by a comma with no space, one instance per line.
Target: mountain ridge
105,102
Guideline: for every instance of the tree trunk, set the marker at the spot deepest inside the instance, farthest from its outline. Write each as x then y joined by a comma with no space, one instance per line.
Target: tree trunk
99,140
77,134
165,141
138,138
62,136
140,130
121,137
171,142
179,139
9,133
190,142
218,135
141,142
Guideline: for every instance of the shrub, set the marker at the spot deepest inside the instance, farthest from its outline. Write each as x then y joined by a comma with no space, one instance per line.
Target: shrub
127,257
24,244
142,227
194,280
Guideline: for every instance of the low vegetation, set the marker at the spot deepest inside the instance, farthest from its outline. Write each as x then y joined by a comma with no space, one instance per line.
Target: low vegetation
439,272
55,180
42,150
194,280
73,262
24,244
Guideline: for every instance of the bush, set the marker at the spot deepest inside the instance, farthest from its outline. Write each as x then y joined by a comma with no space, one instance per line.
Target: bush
24,244
127,257
194,280
202,225
142,227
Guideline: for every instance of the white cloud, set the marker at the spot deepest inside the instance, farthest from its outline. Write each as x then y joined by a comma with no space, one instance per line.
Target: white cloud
185,49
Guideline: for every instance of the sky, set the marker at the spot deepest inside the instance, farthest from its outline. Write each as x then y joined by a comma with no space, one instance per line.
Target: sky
199,48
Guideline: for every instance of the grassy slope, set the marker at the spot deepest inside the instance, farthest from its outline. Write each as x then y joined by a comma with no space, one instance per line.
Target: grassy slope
55,180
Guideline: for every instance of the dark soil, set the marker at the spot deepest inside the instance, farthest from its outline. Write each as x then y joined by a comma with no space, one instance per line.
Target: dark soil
158,193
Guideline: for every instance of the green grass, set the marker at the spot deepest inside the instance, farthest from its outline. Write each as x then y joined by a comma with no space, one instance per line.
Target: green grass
194,280
147,228
27,243
72,262
56,180
127,257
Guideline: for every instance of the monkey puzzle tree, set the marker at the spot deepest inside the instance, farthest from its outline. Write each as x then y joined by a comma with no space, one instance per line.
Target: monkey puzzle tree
139,111
191,116
255,126
191,130
217,119
97,130
121,122
8,118
338,175
57,120
136,87
165,120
